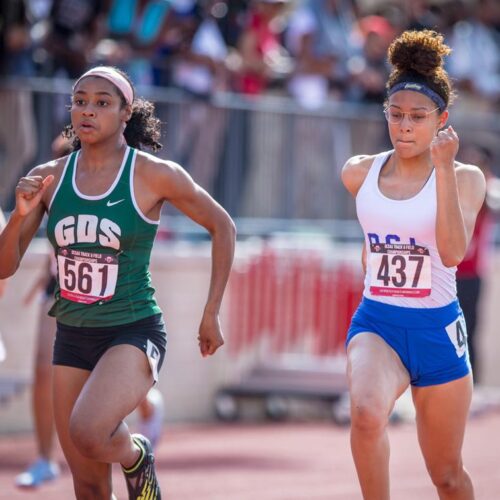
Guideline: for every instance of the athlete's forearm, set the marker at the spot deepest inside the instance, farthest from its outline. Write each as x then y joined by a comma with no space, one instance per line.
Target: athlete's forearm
223,242
451,234
10,246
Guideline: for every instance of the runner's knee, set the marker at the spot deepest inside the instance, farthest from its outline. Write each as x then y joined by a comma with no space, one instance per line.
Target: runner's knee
89,441
446,478
368,413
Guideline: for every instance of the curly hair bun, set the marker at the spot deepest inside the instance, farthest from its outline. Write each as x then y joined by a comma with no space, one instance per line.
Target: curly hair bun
418,51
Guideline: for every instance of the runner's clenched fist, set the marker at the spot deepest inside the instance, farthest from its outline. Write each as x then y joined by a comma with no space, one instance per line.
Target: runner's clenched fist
29,192
444,148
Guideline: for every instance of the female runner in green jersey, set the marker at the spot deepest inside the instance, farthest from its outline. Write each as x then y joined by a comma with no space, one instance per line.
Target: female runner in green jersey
103,203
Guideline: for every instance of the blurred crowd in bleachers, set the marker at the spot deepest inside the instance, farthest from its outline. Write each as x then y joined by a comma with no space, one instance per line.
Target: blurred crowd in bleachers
320,54
310,49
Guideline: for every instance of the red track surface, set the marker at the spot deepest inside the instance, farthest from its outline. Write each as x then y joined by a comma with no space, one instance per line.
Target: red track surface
293,461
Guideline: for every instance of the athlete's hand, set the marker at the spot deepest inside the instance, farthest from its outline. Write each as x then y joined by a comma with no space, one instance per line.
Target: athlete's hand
444,148
210,336
29,192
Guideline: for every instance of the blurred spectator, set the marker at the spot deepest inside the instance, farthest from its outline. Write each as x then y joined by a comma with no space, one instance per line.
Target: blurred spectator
474,266
451,12
44,468
475,57
2,289
421,15
232,22
75,28
265,64
263,57
136,29
176,38
17,127
314,61
313,39
15,40
369,70
2,282
199,69
322,36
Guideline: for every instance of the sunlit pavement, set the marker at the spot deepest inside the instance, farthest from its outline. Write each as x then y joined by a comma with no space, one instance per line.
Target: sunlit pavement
281,461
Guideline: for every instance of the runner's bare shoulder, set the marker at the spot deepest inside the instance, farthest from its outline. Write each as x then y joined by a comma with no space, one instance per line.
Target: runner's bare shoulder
150,165
159,176
354,172
471,183
52,167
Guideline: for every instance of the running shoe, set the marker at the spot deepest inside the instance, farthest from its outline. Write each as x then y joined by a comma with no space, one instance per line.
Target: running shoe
151,427
39,472
142,483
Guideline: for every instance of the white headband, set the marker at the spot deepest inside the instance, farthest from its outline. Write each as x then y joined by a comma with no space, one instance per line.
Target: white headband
110,74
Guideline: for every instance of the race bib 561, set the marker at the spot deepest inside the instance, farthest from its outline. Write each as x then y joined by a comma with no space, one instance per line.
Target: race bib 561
86,277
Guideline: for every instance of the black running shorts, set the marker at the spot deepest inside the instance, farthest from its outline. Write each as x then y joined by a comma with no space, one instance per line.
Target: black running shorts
82,347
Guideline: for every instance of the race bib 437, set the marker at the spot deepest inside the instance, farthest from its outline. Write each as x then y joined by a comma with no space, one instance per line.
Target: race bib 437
400,270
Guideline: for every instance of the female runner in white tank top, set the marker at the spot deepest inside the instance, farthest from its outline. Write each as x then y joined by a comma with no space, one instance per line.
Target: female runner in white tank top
417,207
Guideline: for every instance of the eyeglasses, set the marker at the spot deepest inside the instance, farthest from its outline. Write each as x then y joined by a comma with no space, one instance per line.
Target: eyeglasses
395,116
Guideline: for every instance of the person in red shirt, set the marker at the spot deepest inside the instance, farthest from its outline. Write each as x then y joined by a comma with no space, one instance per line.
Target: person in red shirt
263,58
471,270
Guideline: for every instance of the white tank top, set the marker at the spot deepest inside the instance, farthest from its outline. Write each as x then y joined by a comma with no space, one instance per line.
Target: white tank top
403,266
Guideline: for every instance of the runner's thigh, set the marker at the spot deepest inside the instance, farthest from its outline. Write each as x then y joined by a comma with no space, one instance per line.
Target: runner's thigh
375,370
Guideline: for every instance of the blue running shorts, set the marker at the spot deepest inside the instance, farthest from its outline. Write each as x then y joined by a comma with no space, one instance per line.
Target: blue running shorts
431,343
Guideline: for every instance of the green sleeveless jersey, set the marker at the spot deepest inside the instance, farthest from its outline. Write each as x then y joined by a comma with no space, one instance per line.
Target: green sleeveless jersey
103,246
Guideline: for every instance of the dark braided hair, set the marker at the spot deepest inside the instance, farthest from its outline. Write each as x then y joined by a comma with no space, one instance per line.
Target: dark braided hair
142,130
417,56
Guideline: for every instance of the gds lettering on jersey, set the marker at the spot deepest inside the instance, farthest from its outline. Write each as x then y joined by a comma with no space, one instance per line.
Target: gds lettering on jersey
87,229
